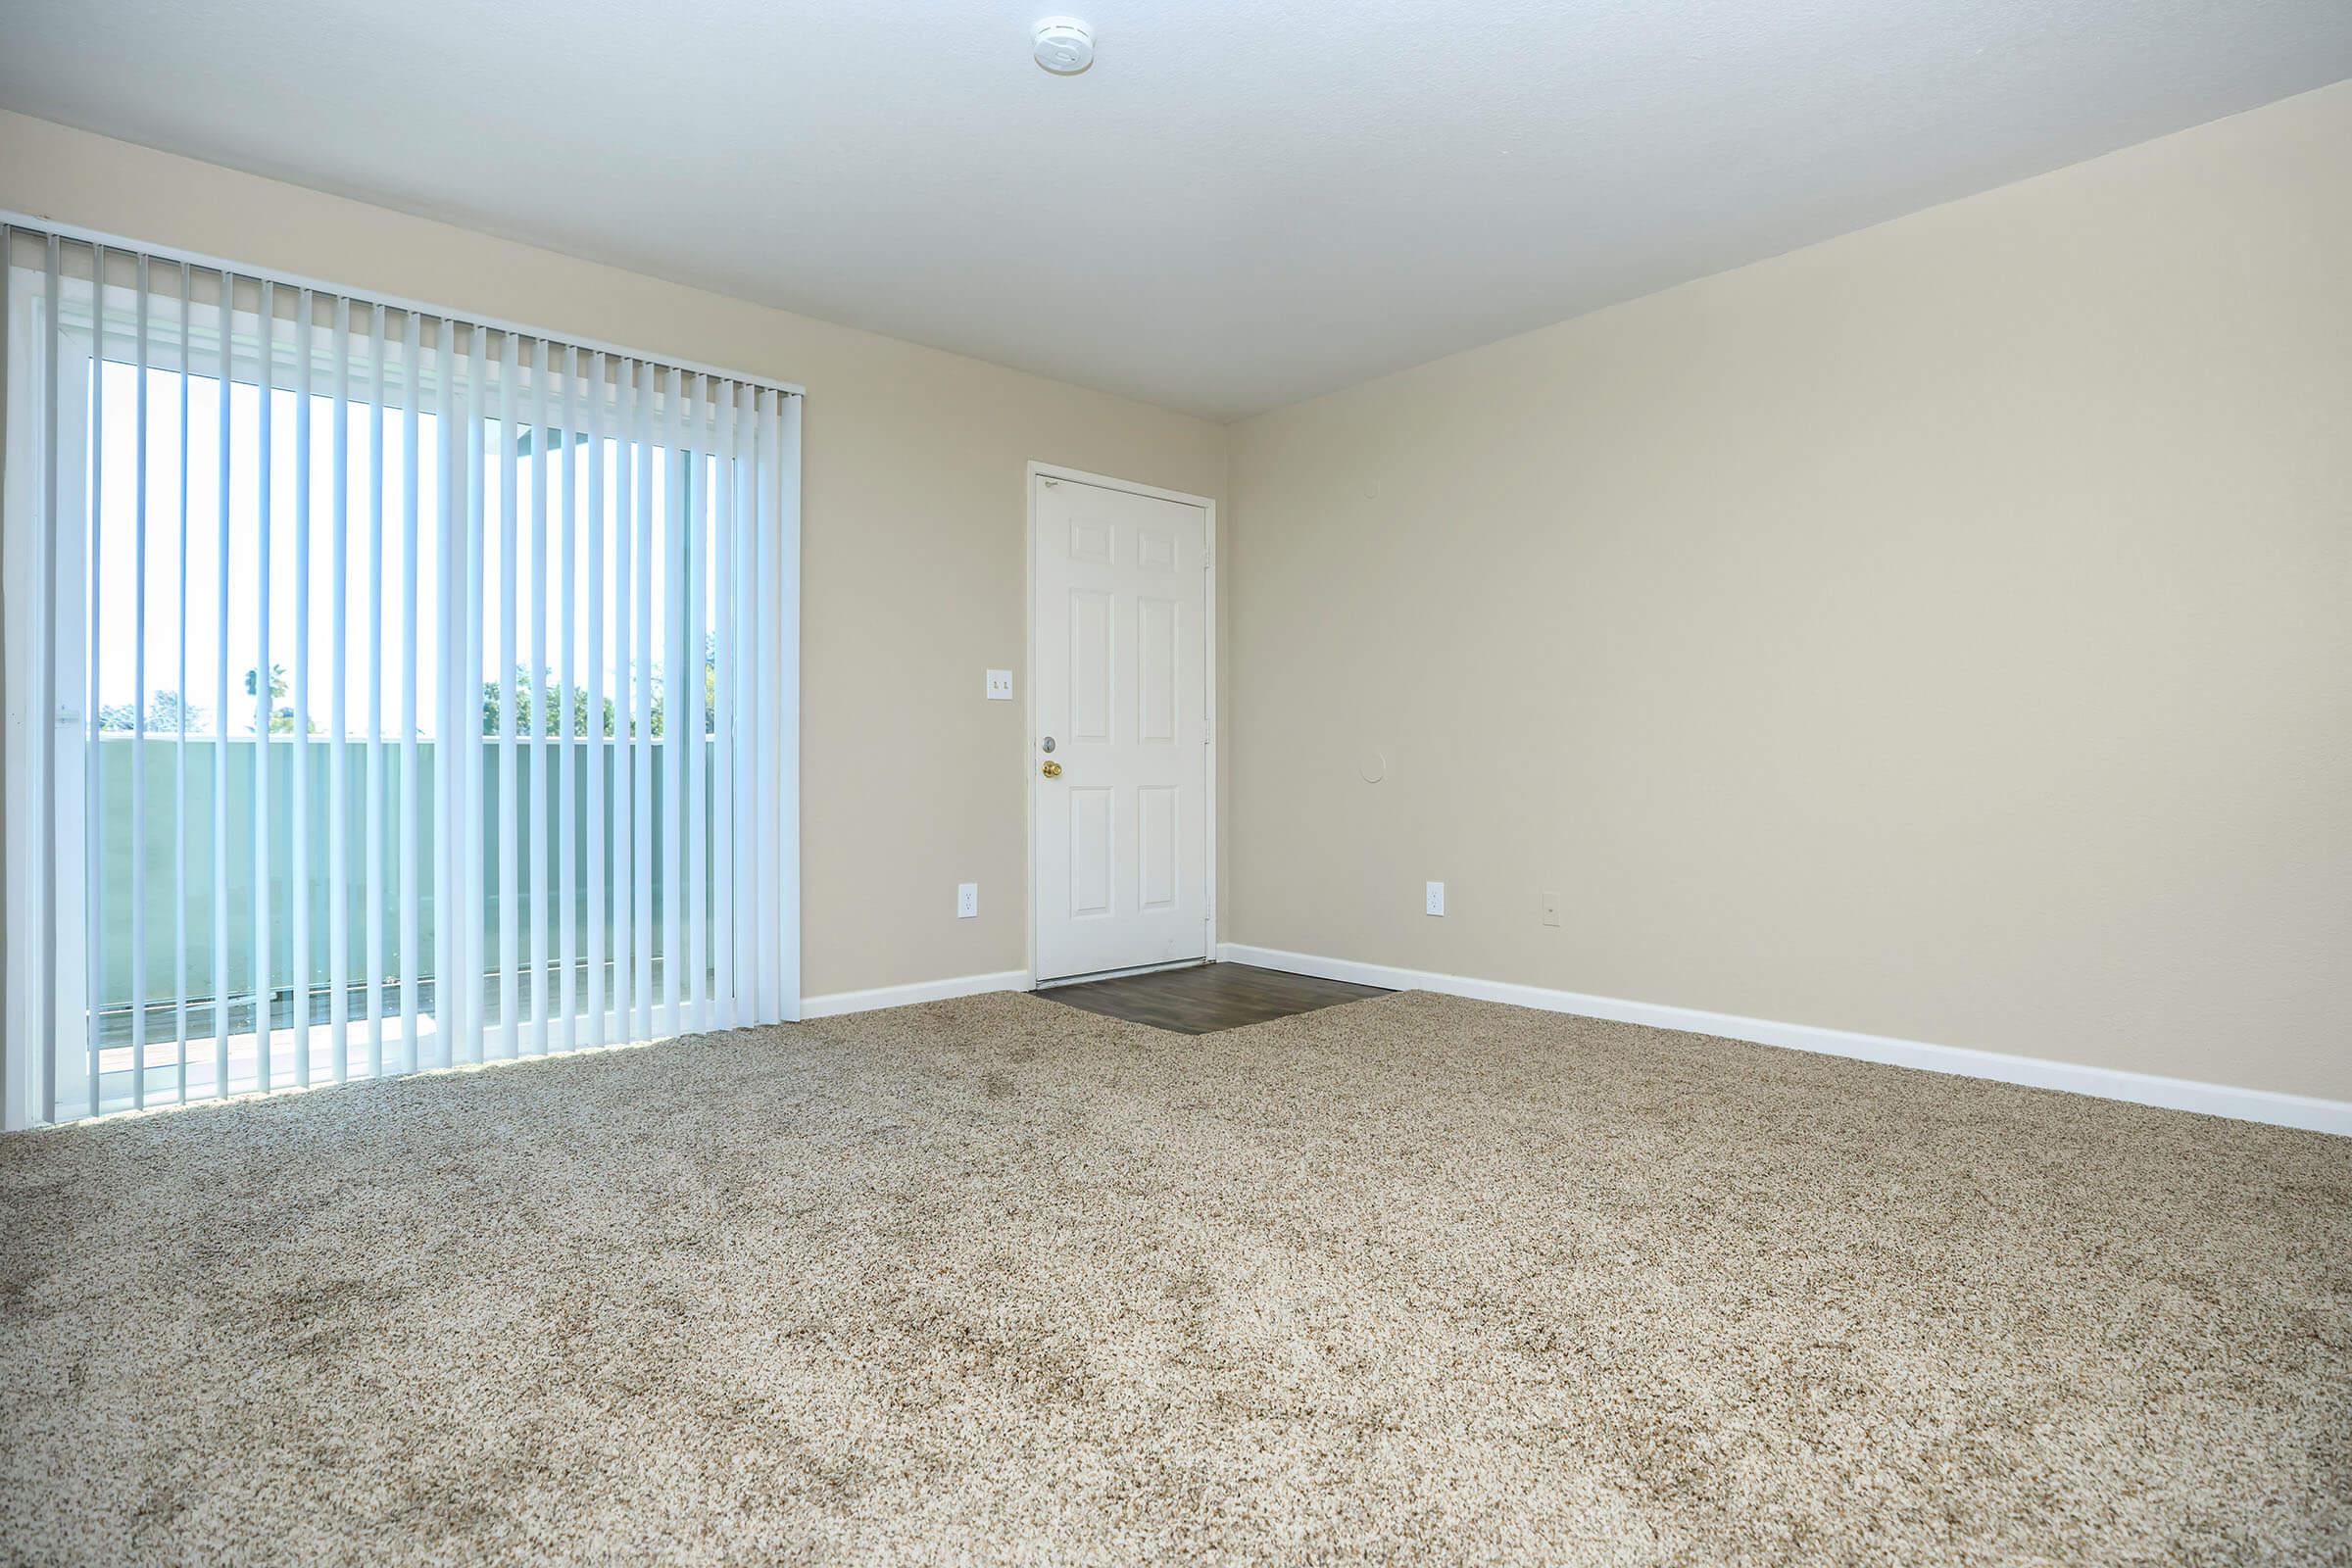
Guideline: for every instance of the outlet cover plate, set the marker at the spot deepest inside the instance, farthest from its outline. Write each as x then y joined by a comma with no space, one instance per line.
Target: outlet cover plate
967,900
1434,899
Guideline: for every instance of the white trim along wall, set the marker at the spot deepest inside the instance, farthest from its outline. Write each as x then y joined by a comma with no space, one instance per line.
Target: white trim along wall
2034,1072
906,996
2106,1083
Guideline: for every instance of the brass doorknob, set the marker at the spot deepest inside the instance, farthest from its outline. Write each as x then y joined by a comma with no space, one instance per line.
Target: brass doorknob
1051,768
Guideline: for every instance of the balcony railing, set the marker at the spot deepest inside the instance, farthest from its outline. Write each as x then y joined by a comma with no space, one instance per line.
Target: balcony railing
181,905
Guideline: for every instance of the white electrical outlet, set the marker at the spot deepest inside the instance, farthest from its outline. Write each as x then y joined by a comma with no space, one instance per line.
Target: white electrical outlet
1552,908
967,900
1436,896
1000,685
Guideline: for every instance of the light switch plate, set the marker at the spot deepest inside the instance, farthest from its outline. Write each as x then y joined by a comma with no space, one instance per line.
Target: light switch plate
1552,908
967,900
1000,685
1435,899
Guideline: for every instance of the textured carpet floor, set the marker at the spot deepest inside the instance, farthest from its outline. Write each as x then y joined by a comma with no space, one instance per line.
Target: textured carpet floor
1414,1279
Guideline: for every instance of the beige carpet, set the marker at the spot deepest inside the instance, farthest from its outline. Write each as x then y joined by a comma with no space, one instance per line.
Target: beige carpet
1411,1280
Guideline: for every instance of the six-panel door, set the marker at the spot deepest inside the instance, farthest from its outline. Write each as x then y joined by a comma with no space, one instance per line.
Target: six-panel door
1120,835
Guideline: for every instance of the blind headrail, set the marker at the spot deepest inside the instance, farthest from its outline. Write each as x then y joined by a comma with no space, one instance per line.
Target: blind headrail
34,224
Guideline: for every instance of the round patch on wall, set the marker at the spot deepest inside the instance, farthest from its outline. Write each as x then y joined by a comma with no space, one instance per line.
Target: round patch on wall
1374,767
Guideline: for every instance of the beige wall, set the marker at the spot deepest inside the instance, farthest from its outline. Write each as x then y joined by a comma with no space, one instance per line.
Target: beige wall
914,514
1943,632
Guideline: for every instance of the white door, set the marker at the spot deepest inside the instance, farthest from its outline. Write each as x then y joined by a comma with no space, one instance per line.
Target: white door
1121,746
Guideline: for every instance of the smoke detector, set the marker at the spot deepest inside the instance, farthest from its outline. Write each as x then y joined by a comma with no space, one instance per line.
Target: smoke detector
1065,46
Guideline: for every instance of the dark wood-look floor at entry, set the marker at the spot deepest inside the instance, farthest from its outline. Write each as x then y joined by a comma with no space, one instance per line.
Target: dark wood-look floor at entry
1209,997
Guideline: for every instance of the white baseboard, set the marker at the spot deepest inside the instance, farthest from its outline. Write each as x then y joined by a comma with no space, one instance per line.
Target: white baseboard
2107,1082
963,985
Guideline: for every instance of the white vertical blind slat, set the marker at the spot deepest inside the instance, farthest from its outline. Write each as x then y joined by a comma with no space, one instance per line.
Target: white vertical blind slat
180,685
373,879
453,563
338,848
722,634
469,1043
747,633
510,903
695,552
298,890
641,836
451,650
597,749
543,842
221,450
624,689
684,683
411,885
14,1111
261,681
138,703
457,981
50,983
567,945
448,645
764,657
780,723
746,762
93,761
770,579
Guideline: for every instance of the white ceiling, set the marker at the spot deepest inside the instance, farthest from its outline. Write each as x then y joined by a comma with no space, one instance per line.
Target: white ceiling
1243,203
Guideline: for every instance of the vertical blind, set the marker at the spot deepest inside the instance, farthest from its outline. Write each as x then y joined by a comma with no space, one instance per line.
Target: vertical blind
384,689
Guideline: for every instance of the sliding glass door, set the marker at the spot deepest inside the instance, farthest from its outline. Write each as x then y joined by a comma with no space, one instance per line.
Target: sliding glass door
384,690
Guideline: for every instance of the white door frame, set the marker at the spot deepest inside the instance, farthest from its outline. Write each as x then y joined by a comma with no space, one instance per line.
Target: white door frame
1208,631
